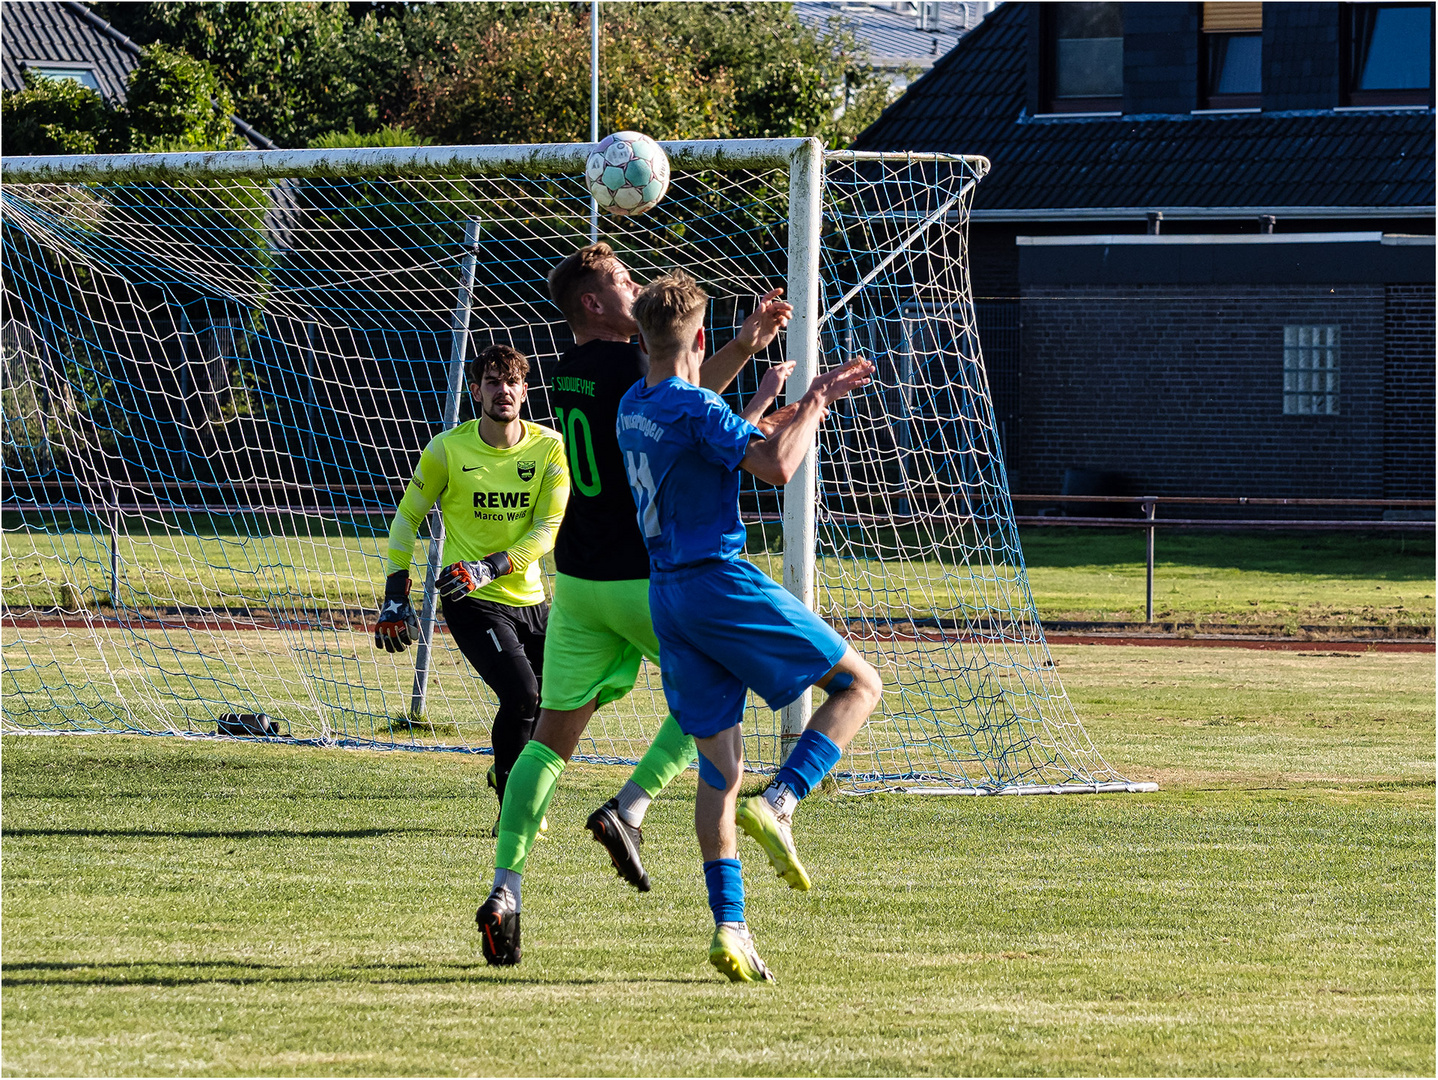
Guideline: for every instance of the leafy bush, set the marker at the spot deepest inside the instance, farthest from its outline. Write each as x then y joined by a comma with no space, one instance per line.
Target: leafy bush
175,103
178,103
526,79
388,135
59,116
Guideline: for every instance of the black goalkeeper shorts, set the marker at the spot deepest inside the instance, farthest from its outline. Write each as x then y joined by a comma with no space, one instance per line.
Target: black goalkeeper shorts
503,643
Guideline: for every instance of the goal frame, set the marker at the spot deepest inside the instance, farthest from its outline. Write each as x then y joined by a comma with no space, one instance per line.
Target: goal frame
805,162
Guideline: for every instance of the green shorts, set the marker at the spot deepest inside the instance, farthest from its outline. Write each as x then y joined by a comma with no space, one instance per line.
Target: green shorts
599,631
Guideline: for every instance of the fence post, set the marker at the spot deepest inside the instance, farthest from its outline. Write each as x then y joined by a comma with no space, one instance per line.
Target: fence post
1148,510
458,345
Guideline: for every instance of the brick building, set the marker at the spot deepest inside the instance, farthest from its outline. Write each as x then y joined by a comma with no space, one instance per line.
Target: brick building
1203,261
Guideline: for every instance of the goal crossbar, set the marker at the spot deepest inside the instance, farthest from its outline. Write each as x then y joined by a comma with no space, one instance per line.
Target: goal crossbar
520,159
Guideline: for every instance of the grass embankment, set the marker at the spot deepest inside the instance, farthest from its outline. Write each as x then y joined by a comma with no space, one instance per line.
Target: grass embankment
1257,582
212,909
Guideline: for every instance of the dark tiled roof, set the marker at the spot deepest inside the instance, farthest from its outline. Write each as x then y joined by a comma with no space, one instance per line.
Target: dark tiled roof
973,102
890,34
55,32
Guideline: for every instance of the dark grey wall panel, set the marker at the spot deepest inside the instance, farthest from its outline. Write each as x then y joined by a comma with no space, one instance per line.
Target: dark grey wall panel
1267,262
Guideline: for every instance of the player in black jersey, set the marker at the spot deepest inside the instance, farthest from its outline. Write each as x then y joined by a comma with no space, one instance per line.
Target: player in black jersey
599,626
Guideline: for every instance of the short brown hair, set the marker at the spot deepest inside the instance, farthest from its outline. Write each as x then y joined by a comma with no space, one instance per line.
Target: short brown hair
669,310
576,275
505,359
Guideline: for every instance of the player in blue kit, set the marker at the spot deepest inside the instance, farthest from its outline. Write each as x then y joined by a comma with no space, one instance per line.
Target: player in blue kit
723,626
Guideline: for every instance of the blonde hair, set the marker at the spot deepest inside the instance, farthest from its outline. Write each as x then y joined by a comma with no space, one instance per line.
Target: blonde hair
669,311
576,275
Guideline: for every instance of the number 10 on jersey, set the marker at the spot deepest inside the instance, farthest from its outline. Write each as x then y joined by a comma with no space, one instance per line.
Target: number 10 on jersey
583,471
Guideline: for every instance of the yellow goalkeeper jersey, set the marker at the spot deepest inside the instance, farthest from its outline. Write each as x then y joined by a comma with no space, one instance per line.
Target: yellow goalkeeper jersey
492,499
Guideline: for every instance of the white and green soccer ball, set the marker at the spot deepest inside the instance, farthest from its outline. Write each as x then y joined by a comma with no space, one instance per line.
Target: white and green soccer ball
628,173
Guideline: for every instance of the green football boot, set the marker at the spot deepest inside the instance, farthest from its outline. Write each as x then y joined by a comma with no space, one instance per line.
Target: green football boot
732,952
757,818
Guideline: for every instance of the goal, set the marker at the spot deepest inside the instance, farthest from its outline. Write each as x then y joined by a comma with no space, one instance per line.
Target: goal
219,368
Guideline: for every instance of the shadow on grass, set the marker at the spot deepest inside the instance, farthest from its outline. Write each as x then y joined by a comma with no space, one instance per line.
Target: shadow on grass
200,972
222,834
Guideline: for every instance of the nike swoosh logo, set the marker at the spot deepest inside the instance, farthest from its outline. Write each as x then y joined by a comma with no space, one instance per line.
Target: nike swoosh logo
470,468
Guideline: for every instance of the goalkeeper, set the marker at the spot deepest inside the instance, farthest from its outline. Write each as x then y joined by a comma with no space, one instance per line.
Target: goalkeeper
600,629
502,487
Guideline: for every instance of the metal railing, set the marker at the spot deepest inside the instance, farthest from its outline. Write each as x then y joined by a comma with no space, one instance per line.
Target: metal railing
1151,523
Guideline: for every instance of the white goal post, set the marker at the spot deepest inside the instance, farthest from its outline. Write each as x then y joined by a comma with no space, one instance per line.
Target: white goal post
218,368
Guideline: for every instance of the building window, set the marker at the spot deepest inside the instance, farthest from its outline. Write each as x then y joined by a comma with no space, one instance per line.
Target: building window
1233,55
1389,54
85,76
1085,68
1310,371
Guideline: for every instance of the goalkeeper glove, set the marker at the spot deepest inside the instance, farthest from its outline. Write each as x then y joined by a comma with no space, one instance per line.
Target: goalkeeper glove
460,579
396,628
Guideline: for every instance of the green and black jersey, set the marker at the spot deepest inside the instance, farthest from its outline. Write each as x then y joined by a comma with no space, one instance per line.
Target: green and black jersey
599,540
493,499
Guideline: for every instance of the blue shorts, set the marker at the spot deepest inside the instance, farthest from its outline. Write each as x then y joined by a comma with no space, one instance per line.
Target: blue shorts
724,628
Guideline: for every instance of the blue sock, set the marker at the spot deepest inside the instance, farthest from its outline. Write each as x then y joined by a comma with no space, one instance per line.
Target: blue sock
726,890
809,762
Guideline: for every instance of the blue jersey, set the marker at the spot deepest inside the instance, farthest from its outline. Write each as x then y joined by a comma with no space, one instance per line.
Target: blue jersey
682,446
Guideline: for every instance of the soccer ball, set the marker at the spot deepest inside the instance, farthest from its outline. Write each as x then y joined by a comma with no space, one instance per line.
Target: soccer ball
628,173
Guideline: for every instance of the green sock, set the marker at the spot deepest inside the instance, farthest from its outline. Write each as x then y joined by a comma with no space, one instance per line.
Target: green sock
526,798
668,755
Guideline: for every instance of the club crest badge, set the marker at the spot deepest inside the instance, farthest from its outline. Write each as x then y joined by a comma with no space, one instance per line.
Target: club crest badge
526,470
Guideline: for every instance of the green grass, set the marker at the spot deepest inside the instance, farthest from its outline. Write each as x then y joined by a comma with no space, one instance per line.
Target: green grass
213,909
1261,582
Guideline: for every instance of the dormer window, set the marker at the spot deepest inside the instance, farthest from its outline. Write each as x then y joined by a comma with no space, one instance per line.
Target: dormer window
1233,55
1085,57
84,74
1389,54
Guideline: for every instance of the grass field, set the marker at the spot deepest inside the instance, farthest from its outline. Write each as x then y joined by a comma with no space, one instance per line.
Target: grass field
1266,582
212,909
1272,581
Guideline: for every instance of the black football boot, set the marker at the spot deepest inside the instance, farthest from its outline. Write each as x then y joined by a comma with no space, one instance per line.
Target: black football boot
499,928
622,841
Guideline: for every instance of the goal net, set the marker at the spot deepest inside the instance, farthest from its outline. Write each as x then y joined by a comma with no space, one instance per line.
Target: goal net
218,372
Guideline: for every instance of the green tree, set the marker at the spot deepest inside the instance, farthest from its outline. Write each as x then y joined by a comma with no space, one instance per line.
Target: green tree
525,78
298,70
789,79
178,103
59,116
294,69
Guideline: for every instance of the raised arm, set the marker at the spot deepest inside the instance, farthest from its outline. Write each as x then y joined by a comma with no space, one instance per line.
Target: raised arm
777,458
760,328
769,387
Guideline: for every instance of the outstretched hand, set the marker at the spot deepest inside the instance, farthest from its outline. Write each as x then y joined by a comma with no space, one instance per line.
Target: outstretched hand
774,379
832,385
777,420
763,326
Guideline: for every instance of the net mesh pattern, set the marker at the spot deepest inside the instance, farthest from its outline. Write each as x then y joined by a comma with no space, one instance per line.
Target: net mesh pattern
215,390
